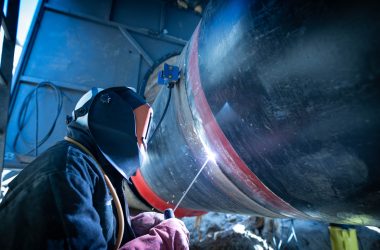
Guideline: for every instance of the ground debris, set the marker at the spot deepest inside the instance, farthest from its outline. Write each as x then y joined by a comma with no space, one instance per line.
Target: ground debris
235,232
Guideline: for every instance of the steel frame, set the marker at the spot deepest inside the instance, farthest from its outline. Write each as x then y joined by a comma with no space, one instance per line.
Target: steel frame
9,24
126,30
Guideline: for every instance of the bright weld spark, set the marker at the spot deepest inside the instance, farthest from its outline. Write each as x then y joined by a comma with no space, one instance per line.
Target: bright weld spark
210,155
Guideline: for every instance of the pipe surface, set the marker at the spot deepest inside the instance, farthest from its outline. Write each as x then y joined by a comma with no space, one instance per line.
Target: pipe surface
286,94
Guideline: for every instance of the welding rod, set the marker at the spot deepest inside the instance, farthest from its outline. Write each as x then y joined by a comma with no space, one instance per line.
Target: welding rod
169,213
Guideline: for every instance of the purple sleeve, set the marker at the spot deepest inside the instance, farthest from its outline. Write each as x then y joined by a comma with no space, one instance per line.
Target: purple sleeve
169,234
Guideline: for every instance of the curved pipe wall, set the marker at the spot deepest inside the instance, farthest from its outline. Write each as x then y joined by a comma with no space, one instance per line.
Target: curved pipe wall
286,93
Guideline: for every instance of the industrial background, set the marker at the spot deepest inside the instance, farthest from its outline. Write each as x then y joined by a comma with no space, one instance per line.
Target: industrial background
79,44
286,95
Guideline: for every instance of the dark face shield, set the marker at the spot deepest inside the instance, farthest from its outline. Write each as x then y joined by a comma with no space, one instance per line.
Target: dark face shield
118,120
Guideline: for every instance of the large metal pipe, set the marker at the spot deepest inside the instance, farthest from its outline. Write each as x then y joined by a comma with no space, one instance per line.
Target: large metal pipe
286,93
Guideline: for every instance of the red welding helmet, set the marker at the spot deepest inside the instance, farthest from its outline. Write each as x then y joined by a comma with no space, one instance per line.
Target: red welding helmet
118,120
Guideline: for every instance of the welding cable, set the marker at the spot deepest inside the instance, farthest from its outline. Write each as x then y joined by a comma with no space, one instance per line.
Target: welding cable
115,198
170,86
22,119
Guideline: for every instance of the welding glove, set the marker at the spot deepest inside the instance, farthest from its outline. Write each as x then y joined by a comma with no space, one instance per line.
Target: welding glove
143,222
167,234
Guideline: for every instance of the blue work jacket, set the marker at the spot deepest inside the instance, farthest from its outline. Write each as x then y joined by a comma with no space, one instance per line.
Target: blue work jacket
61,201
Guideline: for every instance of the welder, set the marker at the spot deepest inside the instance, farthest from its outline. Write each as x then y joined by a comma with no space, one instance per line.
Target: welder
71,196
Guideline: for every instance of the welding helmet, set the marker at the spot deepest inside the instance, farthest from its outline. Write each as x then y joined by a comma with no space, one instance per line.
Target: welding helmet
118,120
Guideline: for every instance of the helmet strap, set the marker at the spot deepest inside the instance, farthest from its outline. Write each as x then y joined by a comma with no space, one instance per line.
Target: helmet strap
82,111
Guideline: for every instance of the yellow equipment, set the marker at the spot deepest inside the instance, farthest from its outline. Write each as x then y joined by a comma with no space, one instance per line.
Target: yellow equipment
343,237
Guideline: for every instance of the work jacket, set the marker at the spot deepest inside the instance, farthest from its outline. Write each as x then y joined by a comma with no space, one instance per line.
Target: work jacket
61,201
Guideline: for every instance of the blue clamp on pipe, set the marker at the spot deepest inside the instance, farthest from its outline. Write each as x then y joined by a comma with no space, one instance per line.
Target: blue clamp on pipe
169,75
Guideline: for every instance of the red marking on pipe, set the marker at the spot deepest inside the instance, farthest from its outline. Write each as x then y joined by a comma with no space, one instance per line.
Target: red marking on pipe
218,140
155,201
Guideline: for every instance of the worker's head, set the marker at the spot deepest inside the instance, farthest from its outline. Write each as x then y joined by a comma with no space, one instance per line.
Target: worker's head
118,119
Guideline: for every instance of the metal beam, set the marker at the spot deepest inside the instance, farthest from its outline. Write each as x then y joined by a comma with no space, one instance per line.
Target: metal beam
11,21
162,17
142,31
2,80
6,67
1,5
34,81
109,11
29,41
17,162
5,26
137,46
4,97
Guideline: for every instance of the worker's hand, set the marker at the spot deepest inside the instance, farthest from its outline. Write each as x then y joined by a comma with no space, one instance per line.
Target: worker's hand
180,236
169,234
142,222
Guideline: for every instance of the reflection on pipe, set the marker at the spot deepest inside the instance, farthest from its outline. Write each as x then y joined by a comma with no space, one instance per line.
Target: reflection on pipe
287,96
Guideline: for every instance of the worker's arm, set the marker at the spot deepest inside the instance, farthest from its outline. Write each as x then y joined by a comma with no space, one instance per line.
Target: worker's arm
80,221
